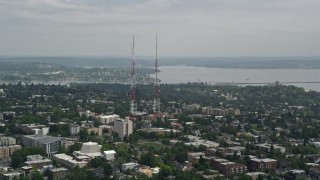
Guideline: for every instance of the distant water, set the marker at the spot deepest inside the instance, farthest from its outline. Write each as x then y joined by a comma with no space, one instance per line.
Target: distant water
184,74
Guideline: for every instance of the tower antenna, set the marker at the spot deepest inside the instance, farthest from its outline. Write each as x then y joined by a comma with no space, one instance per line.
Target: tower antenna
133,100
156,101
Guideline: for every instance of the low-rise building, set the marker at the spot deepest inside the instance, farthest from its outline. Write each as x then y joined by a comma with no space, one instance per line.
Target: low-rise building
7,141
12,175
59,173
263,164
197,141
267,147
109,155
194,157
49,144
316,144
107,119
106,129
255,175
67,142
160,131
68,161
98,131
231,168
89,149
37,161
38,129
7,151
226,167
130,165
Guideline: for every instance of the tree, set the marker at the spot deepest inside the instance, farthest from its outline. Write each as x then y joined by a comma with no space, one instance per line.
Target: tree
81,173
84,135
149,159
202,148
37,175
20,156
165,171
181,157
107,169
271,154
125,138
62,150
74,147
49,174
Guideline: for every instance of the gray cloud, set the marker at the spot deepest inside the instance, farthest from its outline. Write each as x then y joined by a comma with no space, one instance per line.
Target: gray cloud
186,27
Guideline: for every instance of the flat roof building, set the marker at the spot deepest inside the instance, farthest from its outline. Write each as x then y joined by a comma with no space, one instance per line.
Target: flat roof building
109,155
49,144
68,161
107,119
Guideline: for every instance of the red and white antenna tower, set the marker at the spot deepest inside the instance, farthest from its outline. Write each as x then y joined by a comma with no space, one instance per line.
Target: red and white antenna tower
133,100
156,101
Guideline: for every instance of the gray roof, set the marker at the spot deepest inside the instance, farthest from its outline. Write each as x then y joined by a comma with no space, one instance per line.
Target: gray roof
48,139
44,139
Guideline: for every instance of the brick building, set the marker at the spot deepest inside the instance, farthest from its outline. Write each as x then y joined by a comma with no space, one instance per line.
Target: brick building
59,173
226,167
263,164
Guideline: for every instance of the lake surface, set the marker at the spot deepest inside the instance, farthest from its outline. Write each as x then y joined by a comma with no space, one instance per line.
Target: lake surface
184,74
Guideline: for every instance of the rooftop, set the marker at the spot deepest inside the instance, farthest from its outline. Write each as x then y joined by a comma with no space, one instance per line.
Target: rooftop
110,152
58,169
44,139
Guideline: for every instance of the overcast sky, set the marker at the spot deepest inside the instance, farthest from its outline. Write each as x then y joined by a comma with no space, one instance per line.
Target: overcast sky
185,27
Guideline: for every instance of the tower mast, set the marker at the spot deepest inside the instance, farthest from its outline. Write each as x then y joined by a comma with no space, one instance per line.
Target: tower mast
156,101
133,101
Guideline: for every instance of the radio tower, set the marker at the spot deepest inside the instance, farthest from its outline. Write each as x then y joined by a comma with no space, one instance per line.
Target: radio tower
133,101
156,101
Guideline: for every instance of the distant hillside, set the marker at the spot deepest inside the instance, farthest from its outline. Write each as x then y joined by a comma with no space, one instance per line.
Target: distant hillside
148,62
110,62
36,71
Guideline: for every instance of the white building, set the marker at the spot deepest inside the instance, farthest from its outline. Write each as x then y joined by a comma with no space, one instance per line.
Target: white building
107,119
316,144
7,141
123,127
89,149
130,165
197,141
109,155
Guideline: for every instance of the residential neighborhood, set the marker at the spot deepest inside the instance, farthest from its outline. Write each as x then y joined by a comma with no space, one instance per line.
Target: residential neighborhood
85,131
